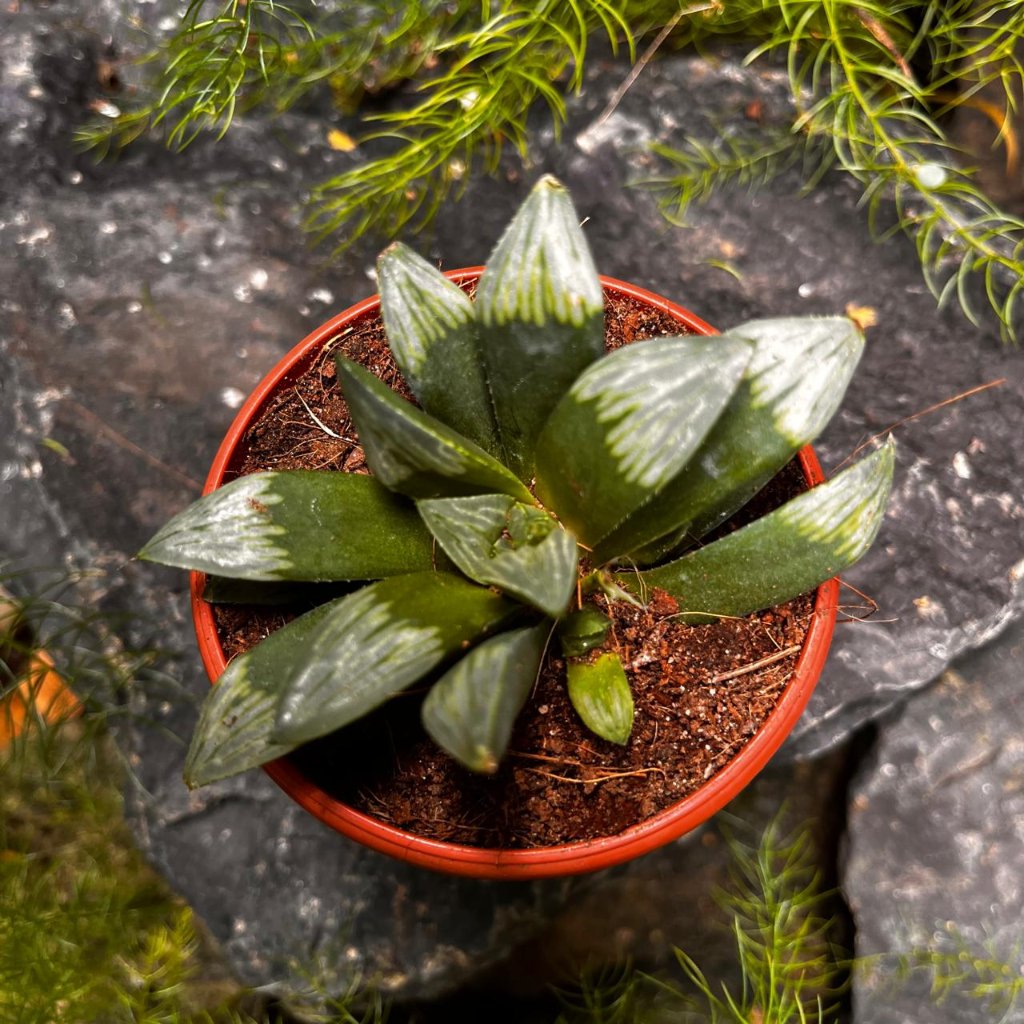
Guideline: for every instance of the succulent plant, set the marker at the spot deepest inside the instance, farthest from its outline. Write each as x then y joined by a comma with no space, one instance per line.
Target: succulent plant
534,471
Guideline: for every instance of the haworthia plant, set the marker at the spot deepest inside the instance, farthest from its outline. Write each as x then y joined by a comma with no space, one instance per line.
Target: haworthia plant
536,471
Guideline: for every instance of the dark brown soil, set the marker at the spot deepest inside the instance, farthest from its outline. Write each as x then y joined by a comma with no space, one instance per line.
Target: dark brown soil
698,698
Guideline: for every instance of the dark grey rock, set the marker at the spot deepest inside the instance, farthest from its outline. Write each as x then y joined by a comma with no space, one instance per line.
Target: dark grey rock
935,863
142,300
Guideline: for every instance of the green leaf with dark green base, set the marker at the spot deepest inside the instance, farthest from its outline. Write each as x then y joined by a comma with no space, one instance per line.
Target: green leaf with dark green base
471,710
432,331
413,453
501,542
785,553
296,525
238,715
540,306
583,630
795,380
629,424
600,693
376,642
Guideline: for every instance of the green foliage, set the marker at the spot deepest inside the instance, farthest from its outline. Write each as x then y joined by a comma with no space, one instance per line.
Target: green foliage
790,971
861,107
609,435
87,931
859,104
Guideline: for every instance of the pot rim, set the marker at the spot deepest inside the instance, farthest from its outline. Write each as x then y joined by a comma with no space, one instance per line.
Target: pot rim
548,861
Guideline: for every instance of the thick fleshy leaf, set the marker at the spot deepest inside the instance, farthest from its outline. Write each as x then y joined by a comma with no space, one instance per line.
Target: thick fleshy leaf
795,380
540,306
432,331
470,711
583,630
238,715
296,525
599,691
411,452
785,553
629,424
376,642
223,590
497,540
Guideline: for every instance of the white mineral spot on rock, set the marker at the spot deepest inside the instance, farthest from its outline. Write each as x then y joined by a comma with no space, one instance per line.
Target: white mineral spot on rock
238,926
805,291
108,227
278,164
962,467
75,177
320,295
232,397
242,292
164,257
66,317
34,237
134,306
259,278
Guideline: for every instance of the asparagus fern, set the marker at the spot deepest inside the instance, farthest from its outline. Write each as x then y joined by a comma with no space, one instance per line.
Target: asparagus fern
581,472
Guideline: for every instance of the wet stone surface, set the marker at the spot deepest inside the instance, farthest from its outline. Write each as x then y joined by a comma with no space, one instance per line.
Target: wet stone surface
141,300
935,862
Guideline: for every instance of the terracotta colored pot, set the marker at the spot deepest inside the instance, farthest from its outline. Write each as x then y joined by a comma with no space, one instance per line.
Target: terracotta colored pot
571,858
39,693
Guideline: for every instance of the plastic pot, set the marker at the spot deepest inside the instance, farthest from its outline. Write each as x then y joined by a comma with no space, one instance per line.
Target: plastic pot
543,862
38,693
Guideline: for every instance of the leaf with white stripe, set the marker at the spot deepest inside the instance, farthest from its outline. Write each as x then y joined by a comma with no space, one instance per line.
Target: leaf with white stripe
471,710
237,719
793,385
376,642
296,525
432,331
411,452
785,553
629,424
541,311
501,542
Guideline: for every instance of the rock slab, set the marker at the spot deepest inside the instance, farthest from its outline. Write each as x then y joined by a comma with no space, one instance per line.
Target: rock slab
934,870
142,300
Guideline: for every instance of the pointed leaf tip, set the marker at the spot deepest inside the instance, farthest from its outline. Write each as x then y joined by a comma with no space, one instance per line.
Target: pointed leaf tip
296,525
600,693
788,552
629,424
431,328
470,712
541,306
796,378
